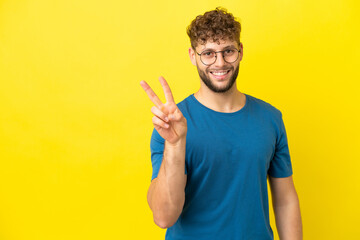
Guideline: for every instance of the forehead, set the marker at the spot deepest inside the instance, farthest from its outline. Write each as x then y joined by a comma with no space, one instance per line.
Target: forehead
217,45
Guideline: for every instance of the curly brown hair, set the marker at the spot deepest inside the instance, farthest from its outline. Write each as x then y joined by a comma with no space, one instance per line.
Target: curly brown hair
214,25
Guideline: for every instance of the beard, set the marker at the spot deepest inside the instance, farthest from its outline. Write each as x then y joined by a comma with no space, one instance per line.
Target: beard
206,79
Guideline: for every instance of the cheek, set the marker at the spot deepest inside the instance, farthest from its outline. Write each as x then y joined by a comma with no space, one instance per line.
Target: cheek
206,70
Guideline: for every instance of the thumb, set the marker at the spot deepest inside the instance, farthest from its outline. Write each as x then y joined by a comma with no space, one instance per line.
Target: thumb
176,115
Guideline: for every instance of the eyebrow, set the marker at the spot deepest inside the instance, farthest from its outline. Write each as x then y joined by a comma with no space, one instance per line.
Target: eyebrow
227,47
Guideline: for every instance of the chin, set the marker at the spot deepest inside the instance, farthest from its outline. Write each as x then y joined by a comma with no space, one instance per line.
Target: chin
219,85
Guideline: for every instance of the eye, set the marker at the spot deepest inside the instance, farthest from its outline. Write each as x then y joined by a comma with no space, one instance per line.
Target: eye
229,51
208,54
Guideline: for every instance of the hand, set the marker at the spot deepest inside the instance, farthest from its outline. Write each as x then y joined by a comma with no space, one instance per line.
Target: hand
168,119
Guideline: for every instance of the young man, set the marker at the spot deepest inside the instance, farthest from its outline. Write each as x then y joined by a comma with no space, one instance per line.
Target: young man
213,152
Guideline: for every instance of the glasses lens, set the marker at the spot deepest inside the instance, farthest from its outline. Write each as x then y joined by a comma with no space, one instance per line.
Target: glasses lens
231,55
208,57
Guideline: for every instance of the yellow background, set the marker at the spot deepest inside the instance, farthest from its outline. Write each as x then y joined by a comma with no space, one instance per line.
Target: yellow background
75,124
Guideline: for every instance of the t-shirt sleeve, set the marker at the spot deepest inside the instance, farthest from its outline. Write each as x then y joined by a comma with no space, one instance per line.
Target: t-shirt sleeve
157,151
280,165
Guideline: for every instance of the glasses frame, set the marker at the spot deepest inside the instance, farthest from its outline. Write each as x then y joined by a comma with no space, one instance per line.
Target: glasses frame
222,54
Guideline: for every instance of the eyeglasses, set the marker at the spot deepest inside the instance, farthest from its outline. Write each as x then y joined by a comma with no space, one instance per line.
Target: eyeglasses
208,57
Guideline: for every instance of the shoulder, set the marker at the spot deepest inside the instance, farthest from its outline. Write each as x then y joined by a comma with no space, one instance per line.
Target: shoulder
186,101
263,106
186,104
265,112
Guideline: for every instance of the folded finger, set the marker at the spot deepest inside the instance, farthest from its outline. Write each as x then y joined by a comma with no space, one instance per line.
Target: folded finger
157,112
160,123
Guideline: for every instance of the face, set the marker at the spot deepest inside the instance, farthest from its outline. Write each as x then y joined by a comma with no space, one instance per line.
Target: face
220,76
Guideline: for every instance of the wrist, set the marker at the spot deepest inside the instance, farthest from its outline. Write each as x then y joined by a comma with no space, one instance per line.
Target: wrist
181,142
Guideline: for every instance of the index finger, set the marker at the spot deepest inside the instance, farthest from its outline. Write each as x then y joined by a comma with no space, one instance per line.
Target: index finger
153,97
167,91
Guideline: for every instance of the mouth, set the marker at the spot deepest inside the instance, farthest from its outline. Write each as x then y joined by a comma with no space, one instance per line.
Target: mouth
220,74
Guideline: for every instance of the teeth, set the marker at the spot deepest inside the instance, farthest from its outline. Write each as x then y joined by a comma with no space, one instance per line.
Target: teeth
219,73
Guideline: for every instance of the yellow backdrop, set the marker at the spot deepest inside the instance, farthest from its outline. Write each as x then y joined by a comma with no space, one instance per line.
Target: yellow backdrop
75,124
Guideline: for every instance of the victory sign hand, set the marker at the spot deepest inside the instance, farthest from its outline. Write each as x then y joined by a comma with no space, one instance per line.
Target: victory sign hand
168,119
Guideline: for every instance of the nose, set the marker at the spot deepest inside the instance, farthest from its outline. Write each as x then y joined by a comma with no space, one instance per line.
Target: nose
219,61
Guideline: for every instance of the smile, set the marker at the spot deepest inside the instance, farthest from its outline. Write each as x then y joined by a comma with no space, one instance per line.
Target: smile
220,74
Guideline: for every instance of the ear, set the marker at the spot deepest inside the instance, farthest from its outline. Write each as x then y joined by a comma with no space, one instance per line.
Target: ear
192,56
242,50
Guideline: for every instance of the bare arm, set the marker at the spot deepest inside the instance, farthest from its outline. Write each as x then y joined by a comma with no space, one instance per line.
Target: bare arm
286,208
166,194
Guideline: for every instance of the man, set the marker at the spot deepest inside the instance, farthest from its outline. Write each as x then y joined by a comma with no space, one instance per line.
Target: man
213,152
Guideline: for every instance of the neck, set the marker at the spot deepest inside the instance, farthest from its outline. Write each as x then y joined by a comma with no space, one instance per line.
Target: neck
231,101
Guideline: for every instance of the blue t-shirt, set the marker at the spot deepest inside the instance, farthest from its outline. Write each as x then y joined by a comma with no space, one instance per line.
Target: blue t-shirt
228,158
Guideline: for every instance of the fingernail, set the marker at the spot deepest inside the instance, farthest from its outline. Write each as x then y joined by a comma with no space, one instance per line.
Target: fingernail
166,125
166,119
